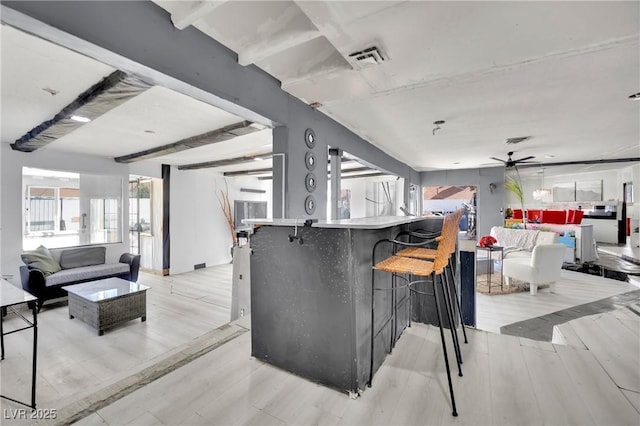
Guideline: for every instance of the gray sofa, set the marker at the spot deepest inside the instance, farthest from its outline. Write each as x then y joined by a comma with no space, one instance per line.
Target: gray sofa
76,265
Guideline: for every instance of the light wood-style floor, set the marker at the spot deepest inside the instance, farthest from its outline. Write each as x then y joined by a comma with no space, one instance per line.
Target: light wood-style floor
508,380
574,288
73,359
227,387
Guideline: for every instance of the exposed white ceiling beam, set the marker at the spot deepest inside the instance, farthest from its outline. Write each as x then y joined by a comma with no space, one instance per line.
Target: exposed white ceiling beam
320,14
226,161
215,136
191,11
276,43
280,32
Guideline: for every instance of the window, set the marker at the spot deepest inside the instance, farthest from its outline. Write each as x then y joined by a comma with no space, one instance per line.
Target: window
63,209
140,210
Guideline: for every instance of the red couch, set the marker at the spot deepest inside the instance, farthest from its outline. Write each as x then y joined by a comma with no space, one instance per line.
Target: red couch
558,217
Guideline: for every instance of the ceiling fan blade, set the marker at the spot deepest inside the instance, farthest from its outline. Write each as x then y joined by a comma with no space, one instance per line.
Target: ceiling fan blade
525,159
497,159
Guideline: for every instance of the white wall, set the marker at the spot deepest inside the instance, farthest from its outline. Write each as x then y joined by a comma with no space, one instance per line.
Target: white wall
611,187
146,168
12,203
199,230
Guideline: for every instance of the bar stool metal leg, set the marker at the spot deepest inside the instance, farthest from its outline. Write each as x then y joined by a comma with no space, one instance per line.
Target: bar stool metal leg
444,347
455,296
394,312
373,328
444,283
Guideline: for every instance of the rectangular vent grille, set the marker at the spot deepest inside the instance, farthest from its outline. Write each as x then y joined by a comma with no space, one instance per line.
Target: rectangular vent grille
513,141
367,57
200,266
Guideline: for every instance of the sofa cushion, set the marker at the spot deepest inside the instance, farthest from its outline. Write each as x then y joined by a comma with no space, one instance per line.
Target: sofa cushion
86,273
41,259
516,252
554,216
577,217
521,238
546,237
85,256
534,216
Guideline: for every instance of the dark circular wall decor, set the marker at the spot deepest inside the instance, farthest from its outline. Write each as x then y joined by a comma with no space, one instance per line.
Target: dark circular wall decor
310,182
310,204
310,160
310,138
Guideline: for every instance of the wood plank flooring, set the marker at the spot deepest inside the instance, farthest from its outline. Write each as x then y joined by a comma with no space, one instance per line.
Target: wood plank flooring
73,359
614,340
573,288
506,382
507,379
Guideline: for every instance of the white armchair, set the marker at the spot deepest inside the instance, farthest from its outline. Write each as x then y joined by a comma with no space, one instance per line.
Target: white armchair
543,267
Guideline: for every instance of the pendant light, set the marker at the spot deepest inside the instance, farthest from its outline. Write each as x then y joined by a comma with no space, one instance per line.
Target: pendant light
542,192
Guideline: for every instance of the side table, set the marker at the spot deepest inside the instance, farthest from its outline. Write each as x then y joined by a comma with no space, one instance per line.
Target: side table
10,297
490,250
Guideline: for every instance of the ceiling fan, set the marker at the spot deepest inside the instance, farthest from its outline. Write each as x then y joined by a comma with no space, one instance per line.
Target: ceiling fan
510,162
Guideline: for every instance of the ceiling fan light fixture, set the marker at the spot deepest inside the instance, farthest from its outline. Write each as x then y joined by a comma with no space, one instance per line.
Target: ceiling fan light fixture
635,96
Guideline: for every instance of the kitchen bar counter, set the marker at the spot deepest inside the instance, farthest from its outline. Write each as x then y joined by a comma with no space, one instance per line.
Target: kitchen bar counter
358,223
311,296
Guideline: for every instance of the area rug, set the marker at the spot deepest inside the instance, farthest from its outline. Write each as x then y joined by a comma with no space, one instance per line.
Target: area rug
516,286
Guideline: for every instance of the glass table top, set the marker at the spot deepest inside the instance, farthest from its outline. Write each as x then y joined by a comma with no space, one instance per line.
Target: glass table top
11,295
108,288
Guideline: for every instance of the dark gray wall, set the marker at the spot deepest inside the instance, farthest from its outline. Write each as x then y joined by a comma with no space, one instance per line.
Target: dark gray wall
138,37
290,141
490,201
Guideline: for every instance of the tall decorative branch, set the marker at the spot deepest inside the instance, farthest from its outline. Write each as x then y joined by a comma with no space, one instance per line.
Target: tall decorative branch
225,204
515,186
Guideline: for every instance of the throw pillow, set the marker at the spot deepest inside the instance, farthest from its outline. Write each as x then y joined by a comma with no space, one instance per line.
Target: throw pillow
85,256
41,259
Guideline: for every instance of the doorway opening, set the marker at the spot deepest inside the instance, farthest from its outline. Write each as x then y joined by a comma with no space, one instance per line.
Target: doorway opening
441,200
145,219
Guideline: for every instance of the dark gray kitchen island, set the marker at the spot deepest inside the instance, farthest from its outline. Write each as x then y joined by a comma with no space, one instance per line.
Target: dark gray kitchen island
311,296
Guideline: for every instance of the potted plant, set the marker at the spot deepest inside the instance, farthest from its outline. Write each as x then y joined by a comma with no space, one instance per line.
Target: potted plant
515,187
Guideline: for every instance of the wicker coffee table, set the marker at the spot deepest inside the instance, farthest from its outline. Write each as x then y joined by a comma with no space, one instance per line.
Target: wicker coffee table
104,303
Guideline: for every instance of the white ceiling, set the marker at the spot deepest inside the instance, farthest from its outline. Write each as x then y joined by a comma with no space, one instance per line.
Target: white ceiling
560,72
156,117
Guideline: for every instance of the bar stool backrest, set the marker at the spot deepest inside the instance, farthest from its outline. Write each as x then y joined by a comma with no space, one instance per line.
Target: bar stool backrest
457,217
447,240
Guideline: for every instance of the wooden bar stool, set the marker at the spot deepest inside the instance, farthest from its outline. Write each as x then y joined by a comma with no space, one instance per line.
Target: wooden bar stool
450,229
408,268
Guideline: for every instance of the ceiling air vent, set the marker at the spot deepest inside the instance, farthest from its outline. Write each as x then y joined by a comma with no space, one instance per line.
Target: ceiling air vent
367,57
513,141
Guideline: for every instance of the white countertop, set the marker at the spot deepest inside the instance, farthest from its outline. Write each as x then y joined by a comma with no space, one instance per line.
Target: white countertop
359,223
